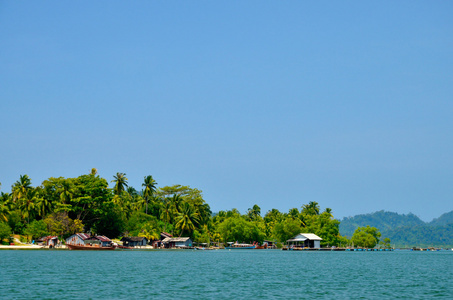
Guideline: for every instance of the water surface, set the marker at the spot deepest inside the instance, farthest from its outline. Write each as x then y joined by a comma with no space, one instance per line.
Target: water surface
211,274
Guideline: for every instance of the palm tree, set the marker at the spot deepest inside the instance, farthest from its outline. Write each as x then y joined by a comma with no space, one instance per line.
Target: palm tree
176,201
312,208
4,206
28,204
186,219
44,206
66,192
166,212
328,211
254,213
150,188
21,187
204,212
120,182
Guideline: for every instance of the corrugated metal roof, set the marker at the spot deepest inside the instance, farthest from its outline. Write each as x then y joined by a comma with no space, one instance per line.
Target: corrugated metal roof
178,239
305,236
311,236
299,239
133,238
103,238
83,236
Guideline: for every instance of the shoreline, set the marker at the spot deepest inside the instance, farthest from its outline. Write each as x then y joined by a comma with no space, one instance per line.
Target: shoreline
25,247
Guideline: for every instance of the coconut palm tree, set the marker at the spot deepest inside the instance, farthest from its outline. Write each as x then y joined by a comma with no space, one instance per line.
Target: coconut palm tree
312,208
44,206
329,212
166,214
4,206
204,212
176,202
150,187
28,204
186,219
21,187
120,183
66,192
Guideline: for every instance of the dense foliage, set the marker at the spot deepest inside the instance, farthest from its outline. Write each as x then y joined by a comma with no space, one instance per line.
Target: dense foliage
444,219
405,230
63,206
381,219
366,237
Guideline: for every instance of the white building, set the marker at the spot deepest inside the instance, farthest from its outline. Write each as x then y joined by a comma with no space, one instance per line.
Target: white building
305,240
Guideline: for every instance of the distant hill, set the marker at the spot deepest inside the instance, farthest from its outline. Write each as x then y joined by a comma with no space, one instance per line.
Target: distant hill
404,230
446,218
383,220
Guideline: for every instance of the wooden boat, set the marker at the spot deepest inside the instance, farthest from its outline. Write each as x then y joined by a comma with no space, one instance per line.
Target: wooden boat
125,247
261,247
90,247
240,246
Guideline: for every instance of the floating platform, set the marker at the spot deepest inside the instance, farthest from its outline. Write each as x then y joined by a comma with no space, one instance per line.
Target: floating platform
333,249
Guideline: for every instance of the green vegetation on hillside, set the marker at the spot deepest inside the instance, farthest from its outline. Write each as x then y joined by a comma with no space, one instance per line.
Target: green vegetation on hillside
404,230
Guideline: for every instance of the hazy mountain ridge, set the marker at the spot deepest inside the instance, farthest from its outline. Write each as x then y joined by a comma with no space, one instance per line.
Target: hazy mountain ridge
444,219
404,230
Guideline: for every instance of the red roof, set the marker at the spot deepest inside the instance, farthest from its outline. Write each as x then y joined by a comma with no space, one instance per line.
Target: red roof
103,238
84,236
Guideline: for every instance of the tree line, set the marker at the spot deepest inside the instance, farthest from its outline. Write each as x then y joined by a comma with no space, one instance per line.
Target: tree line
64,206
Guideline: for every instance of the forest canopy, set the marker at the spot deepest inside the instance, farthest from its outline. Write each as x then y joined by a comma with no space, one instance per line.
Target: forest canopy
63,206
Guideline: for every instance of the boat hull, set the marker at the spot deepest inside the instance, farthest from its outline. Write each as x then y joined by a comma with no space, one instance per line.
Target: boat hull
240,248
87,247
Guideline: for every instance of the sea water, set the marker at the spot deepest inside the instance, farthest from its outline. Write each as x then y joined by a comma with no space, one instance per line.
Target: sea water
239,274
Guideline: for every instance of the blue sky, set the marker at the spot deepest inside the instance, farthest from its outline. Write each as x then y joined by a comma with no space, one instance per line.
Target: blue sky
275,103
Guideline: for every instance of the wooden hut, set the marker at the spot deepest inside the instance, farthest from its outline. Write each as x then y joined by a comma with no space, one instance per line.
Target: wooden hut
78,239
82,239
179,242
134,241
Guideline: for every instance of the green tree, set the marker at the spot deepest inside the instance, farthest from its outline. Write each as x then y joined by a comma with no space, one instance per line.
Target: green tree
120,181
28,203
36,229
150,187
386,243
239,229
187,219
367,237
254,213
312,208
286,229
326,227
21,187
166,213
5,231
4,206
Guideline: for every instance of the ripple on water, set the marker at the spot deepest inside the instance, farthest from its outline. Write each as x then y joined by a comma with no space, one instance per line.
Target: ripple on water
238,274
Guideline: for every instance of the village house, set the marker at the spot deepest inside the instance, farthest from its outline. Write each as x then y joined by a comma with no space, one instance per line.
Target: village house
78,239
179,242
269,244
49,241
158,243
305,240
134,241
105,241
82,239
